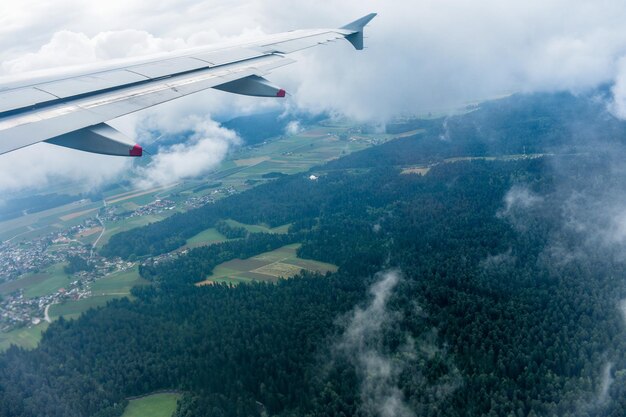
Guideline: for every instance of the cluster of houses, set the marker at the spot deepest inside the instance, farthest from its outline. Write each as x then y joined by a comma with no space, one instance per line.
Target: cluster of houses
18,310
195,202
16,260
33,256
156,207
21,257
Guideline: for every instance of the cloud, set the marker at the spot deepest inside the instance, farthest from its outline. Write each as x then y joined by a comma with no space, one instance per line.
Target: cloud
293,128
43,165
591,207
520,197
200,154
519,203
421,56
504,260
458,50
582,212
378,373
605,383
618,107
380,370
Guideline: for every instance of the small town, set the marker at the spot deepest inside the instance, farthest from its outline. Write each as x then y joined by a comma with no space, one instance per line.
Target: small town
32,256
18,310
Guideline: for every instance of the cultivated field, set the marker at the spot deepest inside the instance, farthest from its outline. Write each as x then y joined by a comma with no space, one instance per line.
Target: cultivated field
55,279
204,238
118,284
73,309
76,214
267,267
156,405
38,284
416,170
260,228
129,223
37,224
26,337
103,290
134,194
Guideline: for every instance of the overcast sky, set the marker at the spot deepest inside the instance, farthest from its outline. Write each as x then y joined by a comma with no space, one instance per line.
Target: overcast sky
421,56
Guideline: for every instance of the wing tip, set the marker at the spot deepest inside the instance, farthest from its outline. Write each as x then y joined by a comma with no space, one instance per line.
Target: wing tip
356,29
359,24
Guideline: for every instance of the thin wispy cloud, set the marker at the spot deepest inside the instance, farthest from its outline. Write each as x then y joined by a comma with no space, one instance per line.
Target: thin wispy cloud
379,369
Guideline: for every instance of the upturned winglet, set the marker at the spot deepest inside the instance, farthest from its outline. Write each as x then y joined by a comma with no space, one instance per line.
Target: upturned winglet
356,27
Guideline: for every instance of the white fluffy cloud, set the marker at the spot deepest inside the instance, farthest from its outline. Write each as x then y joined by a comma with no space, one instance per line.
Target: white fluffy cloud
206,148
421,56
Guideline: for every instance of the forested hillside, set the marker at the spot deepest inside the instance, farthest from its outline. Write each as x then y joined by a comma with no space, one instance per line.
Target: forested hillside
517,125
483,288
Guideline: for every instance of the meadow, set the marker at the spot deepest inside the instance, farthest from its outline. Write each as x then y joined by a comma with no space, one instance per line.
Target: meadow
205,237
103,290
26,337
260,228
266,267
41,283
155,405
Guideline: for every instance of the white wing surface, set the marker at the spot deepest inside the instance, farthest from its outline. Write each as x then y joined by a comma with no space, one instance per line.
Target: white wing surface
71,110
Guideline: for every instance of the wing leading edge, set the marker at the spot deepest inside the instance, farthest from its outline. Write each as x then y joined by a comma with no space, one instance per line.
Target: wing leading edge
71,110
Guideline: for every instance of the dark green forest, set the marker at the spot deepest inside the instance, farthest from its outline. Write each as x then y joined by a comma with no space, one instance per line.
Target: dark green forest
510,273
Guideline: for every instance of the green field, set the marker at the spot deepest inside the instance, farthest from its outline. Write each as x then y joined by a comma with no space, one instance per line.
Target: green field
206,237
73,309
156,405
55,279
267,267
129,223
36,224
118,284
26,337
24,282
41,283
292,154
103,290
260,228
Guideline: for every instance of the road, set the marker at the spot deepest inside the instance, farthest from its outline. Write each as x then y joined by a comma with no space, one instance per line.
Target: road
46,315
104,229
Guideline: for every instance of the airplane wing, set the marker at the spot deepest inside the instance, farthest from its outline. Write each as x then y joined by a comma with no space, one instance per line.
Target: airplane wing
71,110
